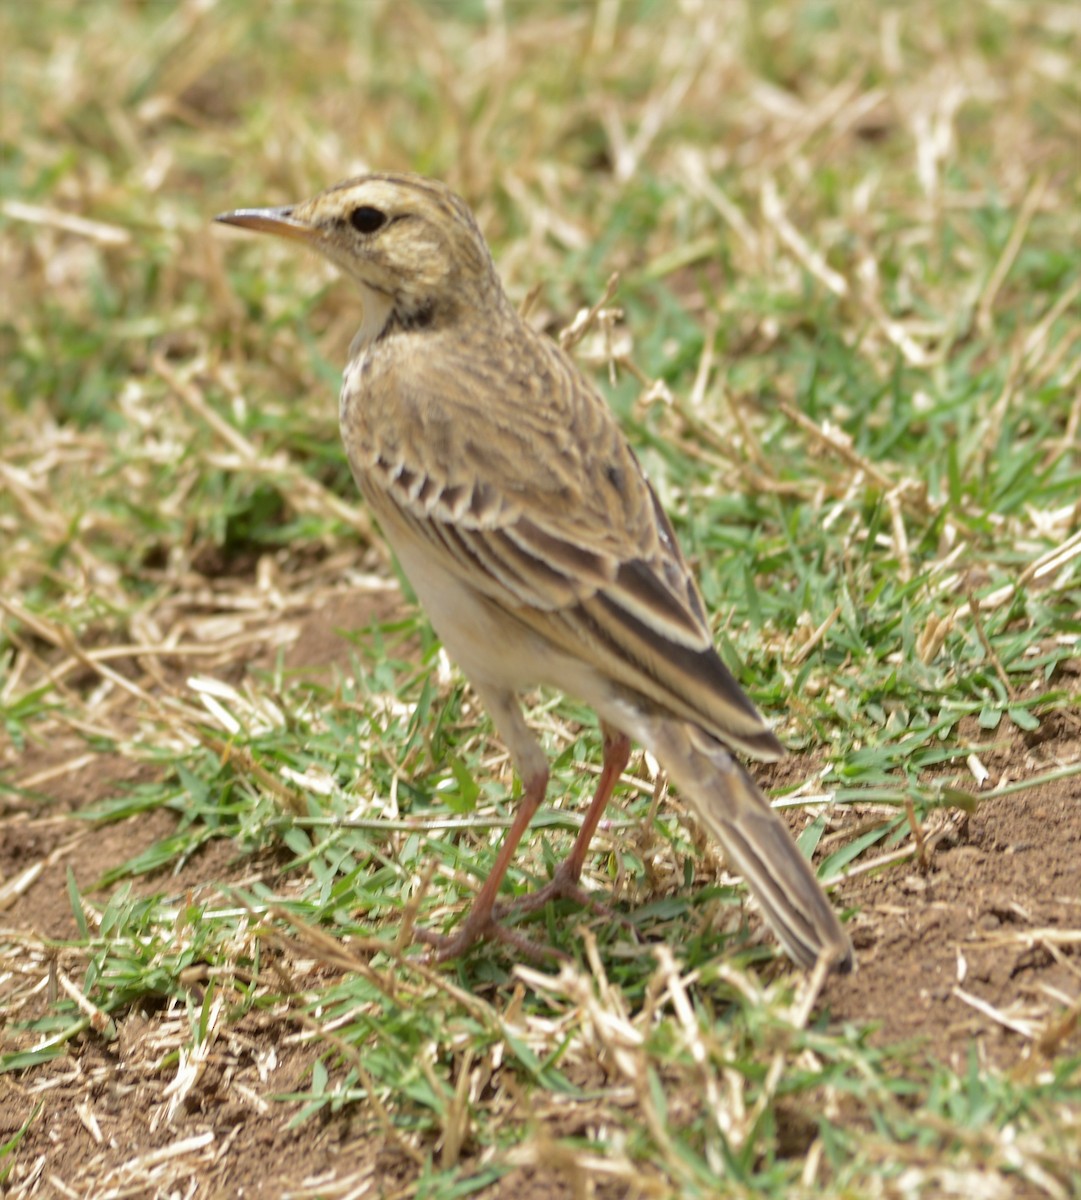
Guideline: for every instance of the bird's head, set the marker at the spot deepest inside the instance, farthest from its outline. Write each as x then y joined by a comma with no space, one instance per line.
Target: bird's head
411,241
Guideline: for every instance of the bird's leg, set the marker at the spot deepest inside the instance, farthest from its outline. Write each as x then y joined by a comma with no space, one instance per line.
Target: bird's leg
564,883
532,766
481,921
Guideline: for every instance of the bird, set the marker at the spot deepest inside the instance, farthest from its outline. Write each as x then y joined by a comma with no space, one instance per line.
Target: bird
535,542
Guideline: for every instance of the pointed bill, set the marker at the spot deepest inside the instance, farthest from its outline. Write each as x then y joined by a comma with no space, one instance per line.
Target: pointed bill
278,221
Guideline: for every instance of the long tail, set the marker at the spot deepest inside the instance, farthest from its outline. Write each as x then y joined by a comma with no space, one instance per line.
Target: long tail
755,840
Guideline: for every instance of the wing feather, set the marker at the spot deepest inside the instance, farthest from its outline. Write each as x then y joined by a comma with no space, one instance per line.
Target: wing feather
572,540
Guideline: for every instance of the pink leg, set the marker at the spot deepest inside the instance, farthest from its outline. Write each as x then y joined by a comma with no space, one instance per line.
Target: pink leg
564,884
480,921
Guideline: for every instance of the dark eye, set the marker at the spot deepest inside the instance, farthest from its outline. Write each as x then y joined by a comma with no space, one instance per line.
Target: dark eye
366,219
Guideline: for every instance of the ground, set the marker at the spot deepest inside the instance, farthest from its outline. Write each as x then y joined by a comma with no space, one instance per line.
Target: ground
969,954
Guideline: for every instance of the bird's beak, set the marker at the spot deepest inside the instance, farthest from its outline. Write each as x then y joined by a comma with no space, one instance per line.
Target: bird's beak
279,221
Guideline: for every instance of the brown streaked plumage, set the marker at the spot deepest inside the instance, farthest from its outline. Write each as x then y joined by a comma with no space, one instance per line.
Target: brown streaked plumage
533,539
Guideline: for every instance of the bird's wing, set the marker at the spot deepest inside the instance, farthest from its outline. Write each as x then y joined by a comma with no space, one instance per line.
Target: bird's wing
535,500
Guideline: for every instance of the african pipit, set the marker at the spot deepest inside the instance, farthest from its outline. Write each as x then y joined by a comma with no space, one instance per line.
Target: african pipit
534,541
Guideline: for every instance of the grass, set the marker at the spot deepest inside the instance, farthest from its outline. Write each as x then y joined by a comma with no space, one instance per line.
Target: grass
847,349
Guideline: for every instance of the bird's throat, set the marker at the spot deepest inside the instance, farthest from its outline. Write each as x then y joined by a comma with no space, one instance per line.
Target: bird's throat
378,309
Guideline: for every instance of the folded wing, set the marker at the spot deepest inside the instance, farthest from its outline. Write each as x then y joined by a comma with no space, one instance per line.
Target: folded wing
578,549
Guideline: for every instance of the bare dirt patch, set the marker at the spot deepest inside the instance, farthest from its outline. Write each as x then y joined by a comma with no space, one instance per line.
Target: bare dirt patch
982,948
111,1119
326,636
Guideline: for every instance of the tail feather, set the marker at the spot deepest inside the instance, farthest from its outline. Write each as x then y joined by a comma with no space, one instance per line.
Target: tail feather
755,840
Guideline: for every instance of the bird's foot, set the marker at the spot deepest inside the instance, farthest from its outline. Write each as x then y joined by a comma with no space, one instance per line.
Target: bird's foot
563,885
473,930
476,927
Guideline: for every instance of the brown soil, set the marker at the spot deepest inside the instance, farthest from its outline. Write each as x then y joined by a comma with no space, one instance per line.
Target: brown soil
994,918
973,953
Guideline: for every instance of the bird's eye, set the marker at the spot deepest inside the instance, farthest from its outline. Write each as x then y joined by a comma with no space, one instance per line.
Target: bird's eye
366,219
